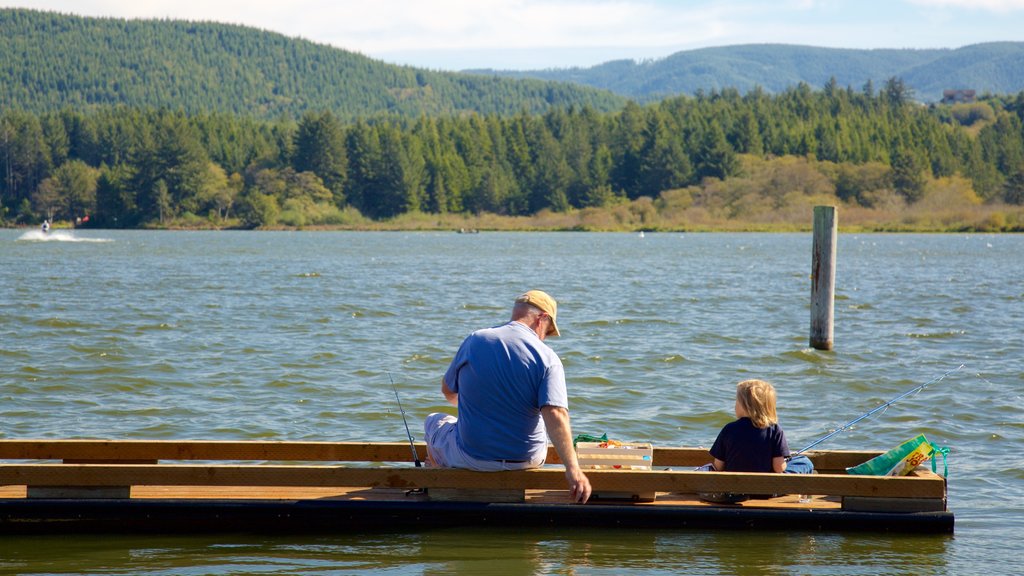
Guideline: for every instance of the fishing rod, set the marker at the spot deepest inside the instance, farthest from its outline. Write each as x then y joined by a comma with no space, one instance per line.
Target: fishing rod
412,445
869,414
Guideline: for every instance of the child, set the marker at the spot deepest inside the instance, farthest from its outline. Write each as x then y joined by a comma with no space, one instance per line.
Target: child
755,442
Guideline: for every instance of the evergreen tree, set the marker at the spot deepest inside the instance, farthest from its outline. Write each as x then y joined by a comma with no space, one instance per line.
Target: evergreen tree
552,174
626,141
400,176
828,141
663,164
24,155
746,134
600,193
1002,143
320,148
519,157
896,93
1013,190
714,158
362,146
907,174
82,137
170,162
115,201
56,138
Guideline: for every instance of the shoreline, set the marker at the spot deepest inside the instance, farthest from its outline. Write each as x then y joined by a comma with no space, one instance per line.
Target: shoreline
386,227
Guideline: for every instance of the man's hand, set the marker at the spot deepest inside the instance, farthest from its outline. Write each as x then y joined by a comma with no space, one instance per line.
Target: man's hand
579,485
556,420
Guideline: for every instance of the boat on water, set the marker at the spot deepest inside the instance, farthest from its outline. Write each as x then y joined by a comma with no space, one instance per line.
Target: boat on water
190,486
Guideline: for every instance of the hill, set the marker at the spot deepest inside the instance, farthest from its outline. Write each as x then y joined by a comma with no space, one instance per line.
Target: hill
50,61
996,67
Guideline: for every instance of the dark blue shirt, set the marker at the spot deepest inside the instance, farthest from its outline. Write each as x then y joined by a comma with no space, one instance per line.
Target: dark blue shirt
745,448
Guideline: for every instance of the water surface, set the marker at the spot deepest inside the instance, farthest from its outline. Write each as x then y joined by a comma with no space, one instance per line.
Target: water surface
290,335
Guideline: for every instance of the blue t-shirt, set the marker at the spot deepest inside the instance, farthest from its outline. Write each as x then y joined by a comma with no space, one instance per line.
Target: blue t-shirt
504,376
745,448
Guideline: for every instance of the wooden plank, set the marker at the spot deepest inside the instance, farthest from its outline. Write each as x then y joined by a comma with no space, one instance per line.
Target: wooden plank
139,451
355,493
837,461
378,494
109,461
545,478
831,460
152,450
268,492
922,472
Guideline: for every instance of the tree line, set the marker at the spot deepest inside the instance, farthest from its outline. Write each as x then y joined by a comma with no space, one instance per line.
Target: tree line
131,167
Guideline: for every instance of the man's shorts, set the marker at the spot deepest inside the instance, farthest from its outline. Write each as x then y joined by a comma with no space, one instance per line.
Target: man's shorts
443,448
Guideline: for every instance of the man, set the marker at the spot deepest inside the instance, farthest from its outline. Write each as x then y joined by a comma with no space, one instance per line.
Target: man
509,388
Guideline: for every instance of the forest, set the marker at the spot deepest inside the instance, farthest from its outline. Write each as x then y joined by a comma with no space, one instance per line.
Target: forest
53,61
717,160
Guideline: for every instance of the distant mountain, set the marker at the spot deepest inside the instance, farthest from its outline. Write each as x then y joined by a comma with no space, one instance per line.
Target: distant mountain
49,61
996,67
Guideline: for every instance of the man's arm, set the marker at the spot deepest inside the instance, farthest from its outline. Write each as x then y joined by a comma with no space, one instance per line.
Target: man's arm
451,397
556,420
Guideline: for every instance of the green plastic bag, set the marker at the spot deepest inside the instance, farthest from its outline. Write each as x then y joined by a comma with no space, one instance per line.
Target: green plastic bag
589,438
900,460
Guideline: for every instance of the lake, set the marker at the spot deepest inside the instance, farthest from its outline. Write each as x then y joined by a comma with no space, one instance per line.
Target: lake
291,335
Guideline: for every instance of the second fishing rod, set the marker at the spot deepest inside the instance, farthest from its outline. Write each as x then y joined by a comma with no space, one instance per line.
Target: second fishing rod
408,433
872,412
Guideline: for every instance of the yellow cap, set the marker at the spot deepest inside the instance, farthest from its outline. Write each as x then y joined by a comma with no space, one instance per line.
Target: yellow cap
545,303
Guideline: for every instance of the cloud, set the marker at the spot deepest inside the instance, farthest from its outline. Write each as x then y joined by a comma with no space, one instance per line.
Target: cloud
998,6
402,25
517,24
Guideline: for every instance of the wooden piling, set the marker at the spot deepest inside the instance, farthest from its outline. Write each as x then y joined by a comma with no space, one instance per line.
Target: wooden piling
823,277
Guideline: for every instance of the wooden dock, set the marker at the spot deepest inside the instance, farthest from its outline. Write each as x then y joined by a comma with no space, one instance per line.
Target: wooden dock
193,486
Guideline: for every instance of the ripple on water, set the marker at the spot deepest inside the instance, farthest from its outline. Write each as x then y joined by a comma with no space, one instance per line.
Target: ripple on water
592,381
62,323
941,335
480,307
162,326
428,360
807,355
15,354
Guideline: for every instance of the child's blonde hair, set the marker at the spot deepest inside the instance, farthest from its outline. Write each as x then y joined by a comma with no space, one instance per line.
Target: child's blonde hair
758,399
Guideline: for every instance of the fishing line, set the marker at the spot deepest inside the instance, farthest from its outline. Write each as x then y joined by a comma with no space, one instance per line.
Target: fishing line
870,413
412,445
986,380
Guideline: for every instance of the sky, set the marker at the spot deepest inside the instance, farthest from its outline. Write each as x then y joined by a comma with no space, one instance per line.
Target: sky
542,34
